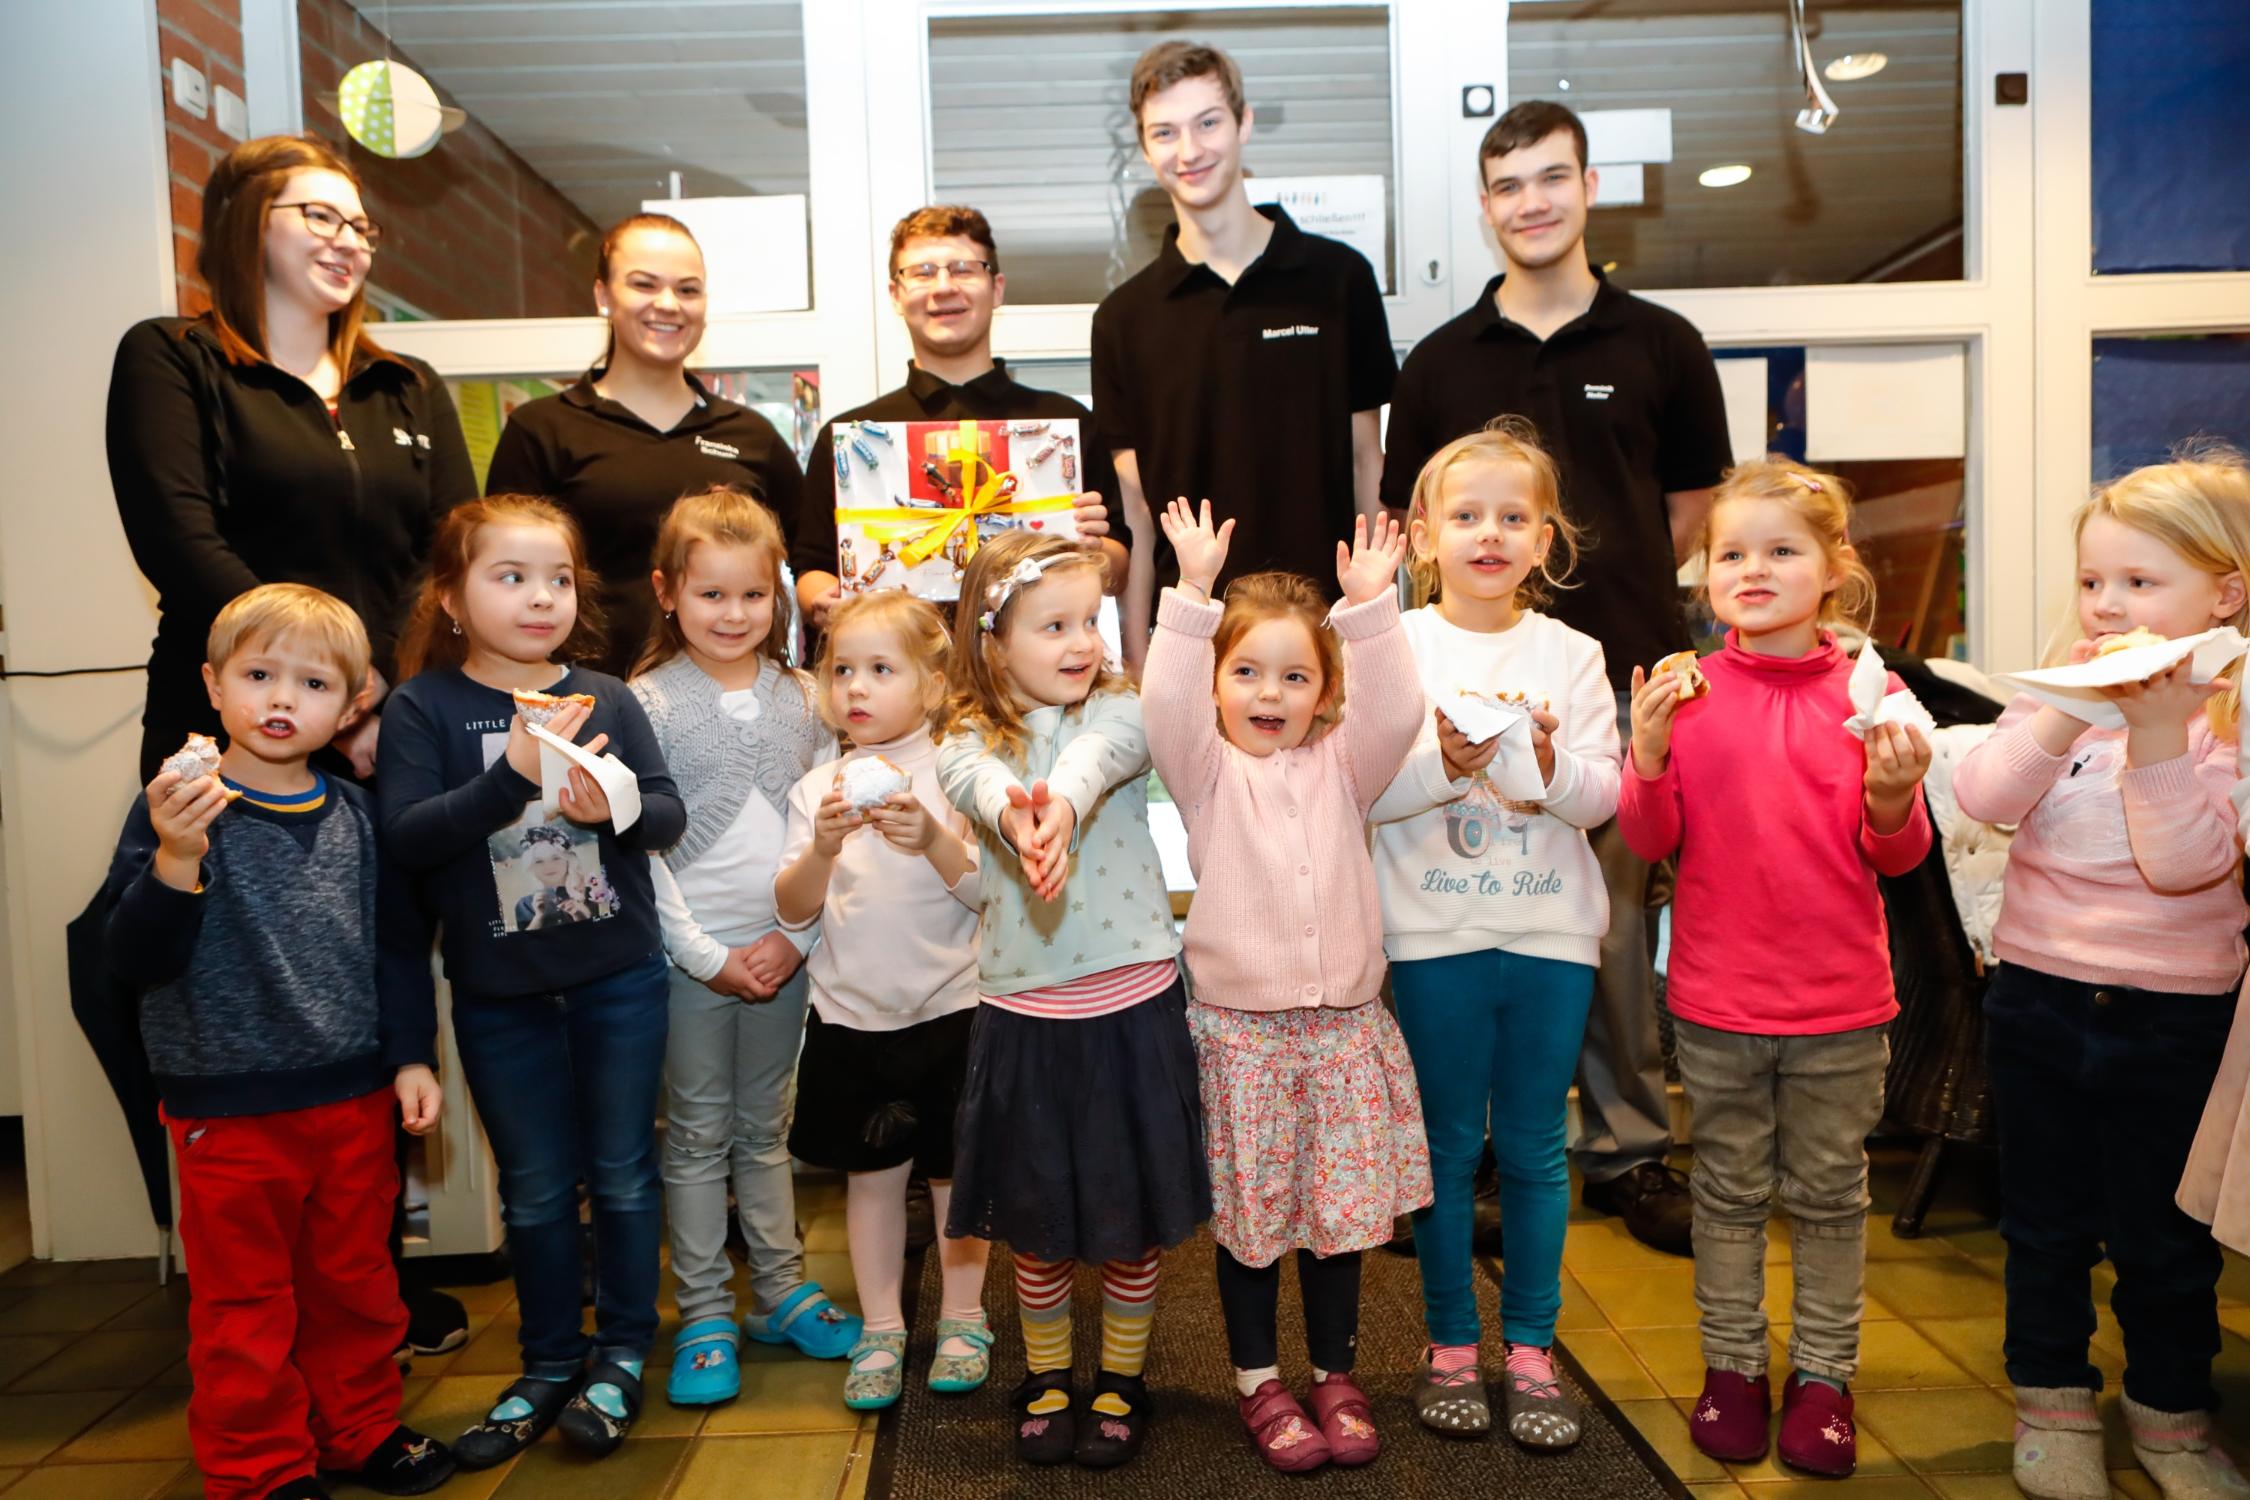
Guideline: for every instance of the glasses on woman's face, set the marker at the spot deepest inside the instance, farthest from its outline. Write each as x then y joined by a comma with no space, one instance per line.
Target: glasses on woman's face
963,272
327,222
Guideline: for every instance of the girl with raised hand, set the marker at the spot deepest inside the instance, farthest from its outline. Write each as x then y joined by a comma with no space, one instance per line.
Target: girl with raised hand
1313,1130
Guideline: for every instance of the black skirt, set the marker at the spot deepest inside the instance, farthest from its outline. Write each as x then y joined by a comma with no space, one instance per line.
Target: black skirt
869,1100
1082,1139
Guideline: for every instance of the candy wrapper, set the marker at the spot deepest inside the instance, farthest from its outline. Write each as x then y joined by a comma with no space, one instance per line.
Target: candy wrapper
870,779
914,500
2076,690
1872,704
1515,770
616,779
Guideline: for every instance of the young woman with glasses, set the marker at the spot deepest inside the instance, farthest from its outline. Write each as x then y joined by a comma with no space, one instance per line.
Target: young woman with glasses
270,440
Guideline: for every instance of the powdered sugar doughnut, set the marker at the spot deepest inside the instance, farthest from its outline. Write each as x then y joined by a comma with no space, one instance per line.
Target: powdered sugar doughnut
869,779
196,759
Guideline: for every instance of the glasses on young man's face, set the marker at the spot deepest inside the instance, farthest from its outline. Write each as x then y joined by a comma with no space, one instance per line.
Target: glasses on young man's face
963,272
327,222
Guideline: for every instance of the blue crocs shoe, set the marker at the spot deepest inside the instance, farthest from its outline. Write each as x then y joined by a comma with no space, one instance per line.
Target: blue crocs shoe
705,1370
806,1318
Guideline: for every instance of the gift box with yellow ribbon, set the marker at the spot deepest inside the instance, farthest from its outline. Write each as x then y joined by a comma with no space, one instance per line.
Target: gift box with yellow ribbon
914,500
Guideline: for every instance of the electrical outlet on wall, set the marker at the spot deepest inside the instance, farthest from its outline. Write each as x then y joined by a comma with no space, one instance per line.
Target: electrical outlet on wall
230,112
189,90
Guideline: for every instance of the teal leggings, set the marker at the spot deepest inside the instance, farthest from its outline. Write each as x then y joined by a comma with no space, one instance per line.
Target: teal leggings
1494,1036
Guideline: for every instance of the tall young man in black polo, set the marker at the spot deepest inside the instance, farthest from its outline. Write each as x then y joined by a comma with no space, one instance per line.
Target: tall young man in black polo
1247,364
1626,398
945,284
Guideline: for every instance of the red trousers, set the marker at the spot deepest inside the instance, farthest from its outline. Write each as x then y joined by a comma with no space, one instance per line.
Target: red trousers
293,1308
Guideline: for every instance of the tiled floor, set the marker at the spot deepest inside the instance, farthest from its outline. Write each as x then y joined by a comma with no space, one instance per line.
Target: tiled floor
91,1359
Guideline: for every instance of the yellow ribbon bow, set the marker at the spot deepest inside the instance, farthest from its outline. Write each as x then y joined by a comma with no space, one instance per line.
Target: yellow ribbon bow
926,532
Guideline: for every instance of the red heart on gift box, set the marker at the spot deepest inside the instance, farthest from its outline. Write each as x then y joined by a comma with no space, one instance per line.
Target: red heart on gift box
1038,525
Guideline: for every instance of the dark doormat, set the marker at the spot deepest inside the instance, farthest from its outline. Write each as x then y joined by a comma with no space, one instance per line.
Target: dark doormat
932,1447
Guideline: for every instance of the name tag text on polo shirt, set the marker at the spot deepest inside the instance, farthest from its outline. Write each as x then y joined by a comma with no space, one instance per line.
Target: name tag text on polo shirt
1294,331
713,449
1599,392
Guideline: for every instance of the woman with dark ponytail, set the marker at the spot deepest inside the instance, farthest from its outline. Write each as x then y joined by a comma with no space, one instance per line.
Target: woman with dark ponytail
637,431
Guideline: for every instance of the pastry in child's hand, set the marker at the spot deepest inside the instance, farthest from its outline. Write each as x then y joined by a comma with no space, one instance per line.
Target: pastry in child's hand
196,759
1685,666
541,708
2137,636
869,780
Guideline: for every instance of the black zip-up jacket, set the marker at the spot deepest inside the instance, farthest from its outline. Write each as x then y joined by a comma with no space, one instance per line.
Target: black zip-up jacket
617,475
229,476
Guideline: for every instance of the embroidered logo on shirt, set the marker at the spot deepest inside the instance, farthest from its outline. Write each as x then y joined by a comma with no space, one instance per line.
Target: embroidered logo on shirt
1599,392
1294,331
711,449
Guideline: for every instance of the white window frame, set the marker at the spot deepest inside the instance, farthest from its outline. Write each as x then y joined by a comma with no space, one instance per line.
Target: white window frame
2026,312
902,179
835,336
2076,306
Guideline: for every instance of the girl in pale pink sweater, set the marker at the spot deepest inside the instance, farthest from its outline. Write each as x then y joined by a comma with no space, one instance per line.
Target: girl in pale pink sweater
1312,1124
890,873
2120,943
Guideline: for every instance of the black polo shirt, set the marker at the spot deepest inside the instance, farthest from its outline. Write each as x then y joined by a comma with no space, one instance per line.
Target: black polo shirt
1626,398
617,475
1244,394
991,397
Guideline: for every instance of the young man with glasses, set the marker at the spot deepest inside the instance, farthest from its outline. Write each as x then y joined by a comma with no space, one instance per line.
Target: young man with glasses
945,284
1247,364
1625,396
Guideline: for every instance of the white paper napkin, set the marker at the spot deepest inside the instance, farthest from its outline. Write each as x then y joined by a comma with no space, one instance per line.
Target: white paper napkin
1515,770
616,779
2076,690
1872,705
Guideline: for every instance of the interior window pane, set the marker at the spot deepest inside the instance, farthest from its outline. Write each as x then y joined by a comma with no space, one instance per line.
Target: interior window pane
2152,395
1029,122
790,399
2170,111
1909,514
1877,198
574,116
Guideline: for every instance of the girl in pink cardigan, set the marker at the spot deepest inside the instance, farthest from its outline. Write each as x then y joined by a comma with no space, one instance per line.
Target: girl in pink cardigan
2120,943
1780,976
1312,1125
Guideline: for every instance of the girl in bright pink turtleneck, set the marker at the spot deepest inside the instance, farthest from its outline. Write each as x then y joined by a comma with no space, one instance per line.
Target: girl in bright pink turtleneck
1780,977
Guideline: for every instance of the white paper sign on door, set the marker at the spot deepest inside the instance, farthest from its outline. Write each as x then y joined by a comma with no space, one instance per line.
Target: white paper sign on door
1349,209
754,249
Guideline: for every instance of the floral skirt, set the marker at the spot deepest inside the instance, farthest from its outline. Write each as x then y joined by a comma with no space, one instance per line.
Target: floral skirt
1313,1128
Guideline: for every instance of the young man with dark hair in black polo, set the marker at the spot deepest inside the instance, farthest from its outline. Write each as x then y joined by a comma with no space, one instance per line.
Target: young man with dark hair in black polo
1247,364
945,284
1626,398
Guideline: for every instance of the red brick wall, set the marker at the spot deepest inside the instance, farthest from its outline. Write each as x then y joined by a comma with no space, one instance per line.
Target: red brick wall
208,33
470,230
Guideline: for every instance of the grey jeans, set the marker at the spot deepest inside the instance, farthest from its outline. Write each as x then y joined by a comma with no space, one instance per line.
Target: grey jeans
730,1073
1624,1116
1786,1117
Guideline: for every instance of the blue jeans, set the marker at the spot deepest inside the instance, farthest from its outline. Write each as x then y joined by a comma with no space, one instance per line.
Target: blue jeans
1494,1035
566,1084
2098,1090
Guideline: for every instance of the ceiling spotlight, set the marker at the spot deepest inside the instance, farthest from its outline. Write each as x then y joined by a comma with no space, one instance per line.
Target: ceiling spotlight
1853,66
1563,84
1726,176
